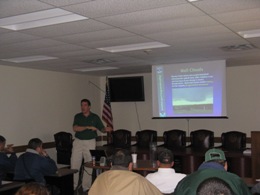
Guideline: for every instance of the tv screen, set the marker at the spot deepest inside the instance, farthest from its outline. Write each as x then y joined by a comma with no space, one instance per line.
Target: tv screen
126,89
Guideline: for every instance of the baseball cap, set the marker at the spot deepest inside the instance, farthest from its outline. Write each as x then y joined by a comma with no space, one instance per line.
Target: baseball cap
165,156
214,154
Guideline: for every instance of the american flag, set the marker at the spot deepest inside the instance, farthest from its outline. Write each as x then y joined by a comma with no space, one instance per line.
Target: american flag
107,111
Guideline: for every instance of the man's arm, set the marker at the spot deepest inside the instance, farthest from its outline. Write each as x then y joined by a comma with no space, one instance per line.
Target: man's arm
77,128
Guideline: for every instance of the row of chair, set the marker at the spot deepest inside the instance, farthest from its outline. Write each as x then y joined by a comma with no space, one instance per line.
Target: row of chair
173,139
176,138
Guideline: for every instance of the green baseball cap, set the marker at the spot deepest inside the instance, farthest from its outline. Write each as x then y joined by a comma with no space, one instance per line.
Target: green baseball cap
214,154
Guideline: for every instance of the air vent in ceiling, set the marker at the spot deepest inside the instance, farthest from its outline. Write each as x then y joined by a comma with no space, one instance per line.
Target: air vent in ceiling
100,61
238,47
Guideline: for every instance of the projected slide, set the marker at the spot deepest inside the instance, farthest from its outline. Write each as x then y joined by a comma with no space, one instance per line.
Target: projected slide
189,90
192,93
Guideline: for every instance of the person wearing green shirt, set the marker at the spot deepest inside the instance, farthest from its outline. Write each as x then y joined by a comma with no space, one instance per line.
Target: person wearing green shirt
215,165
85,125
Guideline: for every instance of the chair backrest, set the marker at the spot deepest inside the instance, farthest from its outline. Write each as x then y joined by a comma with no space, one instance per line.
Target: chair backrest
174,138
145,137
233,140
63,143
202,139
121,138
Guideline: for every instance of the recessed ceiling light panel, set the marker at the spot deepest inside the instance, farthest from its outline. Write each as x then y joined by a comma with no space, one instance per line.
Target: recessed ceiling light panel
38,19
250,33
133,47
29,59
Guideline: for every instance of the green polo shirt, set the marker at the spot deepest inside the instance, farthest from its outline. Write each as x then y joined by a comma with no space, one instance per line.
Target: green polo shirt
91,120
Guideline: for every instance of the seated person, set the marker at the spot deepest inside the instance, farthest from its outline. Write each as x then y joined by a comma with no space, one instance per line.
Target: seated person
35,163
255,190
7,158
214,186
165,179
215,165
33,188
121,180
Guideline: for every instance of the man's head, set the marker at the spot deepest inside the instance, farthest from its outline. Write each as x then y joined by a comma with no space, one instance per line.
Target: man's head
2,143
35,144
214,186
33,188
216,155
122,158
85,106
165,159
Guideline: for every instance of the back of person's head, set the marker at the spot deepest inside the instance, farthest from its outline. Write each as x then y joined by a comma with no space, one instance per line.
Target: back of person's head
2,139
122,158
2,143
33,189
34,143
215,155
165,156
85,100
214,186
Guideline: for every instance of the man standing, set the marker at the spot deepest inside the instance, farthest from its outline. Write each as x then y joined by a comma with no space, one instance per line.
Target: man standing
121,180
215,165
35,163
165,179
7,163
85,126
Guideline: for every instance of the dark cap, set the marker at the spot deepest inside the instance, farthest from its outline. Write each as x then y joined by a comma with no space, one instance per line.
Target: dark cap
165,157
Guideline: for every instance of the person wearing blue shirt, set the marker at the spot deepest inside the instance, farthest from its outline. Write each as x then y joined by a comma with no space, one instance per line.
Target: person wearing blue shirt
7,158
35,163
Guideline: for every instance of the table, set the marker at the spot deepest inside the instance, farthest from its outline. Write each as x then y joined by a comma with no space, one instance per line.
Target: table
190,159
63,179
141,165
10,187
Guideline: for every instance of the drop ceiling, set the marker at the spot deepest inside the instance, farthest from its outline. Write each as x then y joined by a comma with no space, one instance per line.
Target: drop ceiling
194,32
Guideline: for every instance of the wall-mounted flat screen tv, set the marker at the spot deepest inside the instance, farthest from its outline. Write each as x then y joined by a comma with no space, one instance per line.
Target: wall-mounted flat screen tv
126,89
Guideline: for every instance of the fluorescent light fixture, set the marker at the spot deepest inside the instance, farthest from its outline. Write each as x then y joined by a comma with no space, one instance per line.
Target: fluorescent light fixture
95,69
29,59
40,18
250,33
132,47
193,0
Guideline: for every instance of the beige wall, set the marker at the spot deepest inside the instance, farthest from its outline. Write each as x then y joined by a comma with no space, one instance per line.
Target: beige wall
36,103
243,107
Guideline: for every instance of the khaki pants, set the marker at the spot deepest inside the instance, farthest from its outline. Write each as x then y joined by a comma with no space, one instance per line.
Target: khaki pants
80,151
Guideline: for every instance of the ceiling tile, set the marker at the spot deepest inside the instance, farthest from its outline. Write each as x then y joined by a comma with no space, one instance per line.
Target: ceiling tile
17,7
170,25
152,15
238,16
95,36
221,6
69,28
101,8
